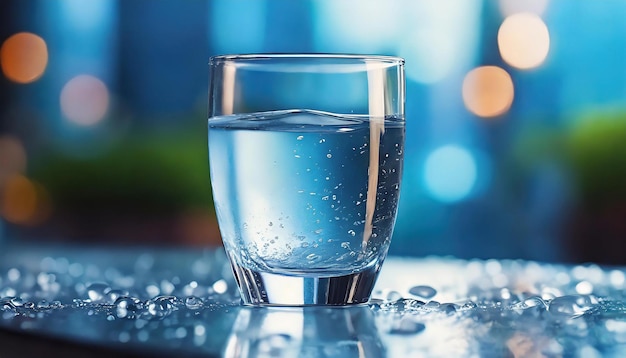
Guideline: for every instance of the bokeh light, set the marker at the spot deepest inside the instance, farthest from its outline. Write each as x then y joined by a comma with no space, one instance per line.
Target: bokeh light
85,100
488,91
226,31
430,56
24,57
438,39
366,27
12,157
23,201
450,173
510,7
523,40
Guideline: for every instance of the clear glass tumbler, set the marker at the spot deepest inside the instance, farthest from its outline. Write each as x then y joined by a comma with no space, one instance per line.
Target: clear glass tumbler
306,154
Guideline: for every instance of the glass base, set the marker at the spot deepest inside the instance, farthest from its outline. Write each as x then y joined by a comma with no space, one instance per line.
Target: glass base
263,288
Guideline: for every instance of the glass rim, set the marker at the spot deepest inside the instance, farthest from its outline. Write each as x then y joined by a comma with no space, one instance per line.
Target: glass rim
392,60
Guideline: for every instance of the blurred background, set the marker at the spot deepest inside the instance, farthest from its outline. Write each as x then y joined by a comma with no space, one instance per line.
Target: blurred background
516,118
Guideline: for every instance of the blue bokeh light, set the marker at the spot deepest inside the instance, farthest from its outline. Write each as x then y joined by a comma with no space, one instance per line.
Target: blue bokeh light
450,173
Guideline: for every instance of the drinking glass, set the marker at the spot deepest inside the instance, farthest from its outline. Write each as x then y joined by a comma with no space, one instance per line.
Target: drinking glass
306,154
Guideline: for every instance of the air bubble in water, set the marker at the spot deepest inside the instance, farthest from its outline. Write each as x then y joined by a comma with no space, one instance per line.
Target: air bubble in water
426,292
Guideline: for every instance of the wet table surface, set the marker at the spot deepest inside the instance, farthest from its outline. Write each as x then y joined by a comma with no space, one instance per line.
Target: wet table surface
69,301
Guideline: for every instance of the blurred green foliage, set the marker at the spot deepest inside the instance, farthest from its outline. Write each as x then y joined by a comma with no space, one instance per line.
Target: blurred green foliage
152,173
591,147
596,151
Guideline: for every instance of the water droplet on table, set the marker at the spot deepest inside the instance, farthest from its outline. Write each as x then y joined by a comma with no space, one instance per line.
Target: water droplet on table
96,292
569,306
114,294
193,303
426,292
161,306
127,307
406,326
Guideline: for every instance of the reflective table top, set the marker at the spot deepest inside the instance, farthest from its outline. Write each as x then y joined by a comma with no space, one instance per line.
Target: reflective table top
69,301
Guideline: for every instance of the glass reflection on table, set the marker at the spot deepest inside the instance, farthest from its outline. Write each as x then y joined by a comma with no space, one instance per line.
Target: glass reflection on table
311,331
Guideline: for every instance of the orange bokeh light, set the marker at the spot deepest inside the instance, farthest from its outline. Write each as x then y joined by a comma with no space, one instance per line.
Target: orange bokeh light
24,57
523,40
12,157
488,91
23,201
